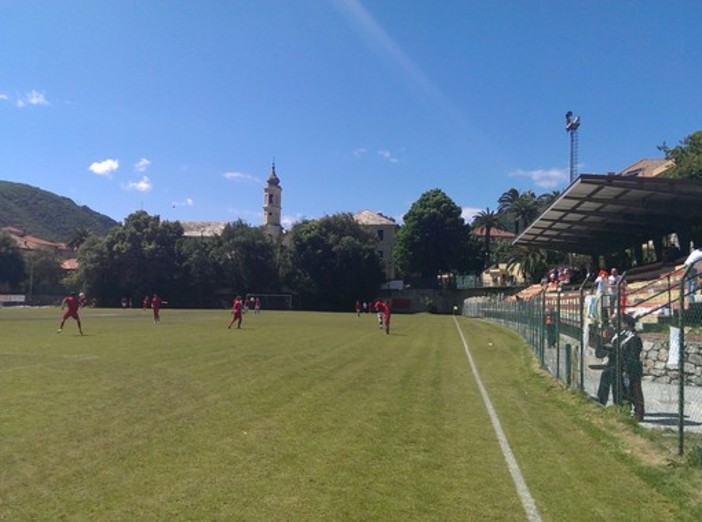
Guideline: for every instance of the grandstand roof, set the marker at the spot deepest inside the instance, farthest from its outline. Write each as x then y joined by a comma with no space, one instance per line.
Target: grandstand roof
606,213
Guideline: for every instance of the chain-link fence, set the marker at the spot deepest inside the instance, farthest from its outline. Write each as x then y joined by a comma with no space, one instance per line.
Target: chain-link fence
638,346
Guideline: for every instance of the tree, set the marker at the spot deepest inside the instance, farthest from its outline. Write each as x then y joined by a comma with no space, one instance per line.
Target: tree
686,157
43,272
252,261
687,164
532,262
489,220
547,199
332,263
434,238
136,258
11,263
525,210
507,200
78,237
200,269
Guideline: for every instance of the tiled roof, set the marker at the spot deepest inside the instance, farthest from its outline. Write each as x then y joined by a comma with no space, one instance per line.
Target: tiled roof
647,168
494,232
368,217
203,228
27,242
70,264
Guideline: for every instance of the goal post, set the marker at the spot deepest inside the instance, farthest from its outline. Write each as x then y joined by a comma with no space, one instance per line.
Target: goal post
273,301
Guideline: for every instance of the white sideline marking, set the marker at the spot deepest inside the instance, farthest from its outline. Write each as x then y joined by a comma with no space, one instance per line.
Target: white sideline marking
528,503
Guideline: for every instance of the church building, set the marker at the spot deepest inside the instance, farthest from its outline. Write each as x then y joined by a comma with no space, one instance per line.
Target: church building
272,206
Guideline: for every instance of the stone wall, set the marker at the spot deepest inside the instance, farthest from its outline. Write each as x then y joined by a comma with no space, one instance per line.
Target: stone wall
655,358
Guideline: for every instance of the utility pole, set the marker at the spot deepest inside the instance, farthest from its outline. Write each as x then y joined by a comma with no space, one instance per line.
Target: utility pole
572,124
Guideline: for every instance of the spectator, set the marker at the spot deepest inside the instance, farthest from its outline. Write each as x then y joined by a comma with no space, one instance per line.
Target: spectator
691,284
631,347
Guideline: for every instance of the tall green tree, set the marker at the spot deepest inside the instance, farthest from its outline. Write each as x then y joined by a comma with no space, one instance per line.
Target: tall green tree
489,220
507,200
251,258
525,210
333,262
687,157
11,263
547,199
200,270
43,272
78,237
687,164
532,262
434,238
136,258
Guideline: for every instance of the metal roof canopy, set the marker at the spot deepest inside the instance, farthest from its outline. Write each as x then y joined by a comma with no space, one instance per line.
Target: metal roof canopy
600,214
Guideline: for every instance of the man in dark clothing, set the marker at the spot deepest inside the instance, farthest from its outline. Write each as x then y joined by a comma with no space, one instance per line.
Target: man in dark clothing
630,347
632,368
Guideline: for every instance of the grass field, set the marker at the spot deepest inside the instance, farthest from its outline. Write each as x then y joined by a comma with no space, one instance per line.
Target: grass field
305,416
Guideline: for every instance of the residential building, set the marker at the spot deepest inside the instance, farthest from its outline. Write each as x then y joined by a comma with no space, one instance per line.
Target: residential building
384,230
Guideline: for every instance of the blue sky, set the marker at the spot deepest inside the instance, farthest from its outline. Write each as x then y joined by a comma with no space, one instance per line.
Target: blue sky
180,107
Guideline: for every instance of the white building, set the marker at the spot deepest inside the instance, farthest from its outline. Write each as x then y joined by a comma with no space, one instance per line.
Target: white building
384,230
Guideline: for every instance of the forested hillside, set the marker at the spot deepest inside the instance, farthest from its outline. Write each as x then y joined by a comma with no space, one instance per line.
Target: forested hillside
47,215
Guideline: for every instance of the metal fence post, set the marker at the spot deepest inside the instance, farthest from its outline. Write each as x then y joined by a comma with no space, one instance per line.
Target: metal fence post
681,360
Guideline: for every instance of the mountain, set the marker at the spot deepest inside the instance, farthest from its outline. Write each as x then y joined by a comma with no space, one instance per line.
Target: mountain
47,215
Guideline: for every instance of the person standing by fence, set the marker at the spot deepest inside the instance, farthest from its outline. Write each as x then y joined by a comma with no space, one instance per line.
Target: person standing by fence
632,368
550,323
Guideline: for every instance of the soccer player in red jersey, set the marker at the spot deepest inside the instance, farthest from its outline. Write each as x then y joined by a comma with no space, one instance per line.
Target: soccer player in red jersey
72,304
379,307
386,317
156,303
236,312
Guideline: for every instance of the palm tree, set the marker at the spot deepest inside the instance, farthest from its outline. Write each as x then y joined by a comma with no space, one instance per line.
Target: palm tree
488,220
545,200
78,237
507,199
525,209
532,262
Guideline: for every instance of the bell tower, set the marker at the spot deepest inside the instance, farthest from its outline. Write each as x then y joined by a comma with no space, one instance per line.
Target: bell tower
272,205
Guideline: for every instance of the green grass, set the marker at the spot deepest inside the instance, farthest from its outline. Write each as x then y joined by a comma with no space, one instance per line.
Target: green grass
302,416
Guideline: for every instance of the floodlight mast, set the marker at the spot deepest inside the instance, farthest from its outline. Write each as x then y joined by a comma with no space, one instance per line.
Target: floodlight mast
572,124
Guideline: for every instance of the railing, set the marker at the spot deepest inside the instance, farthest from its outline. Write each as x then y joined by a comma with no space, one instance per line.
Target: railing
567,340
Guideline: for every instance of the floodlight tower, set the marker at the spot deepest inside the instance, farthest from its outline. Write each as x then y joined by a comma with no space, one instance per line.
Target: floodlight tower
572,124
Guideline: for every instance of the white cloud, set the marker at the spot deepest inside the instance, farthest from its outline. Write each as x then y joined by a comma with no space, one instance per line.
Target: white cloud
33,97
104,168
468,213
546,179
240,176
289,220
187,202
4,97
360,152
142,165
143,185
388,156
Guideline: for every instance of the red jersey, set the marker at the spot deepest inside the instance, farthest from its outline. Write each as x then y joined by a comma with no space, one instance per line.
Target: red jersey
236,307
73,304
156,302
